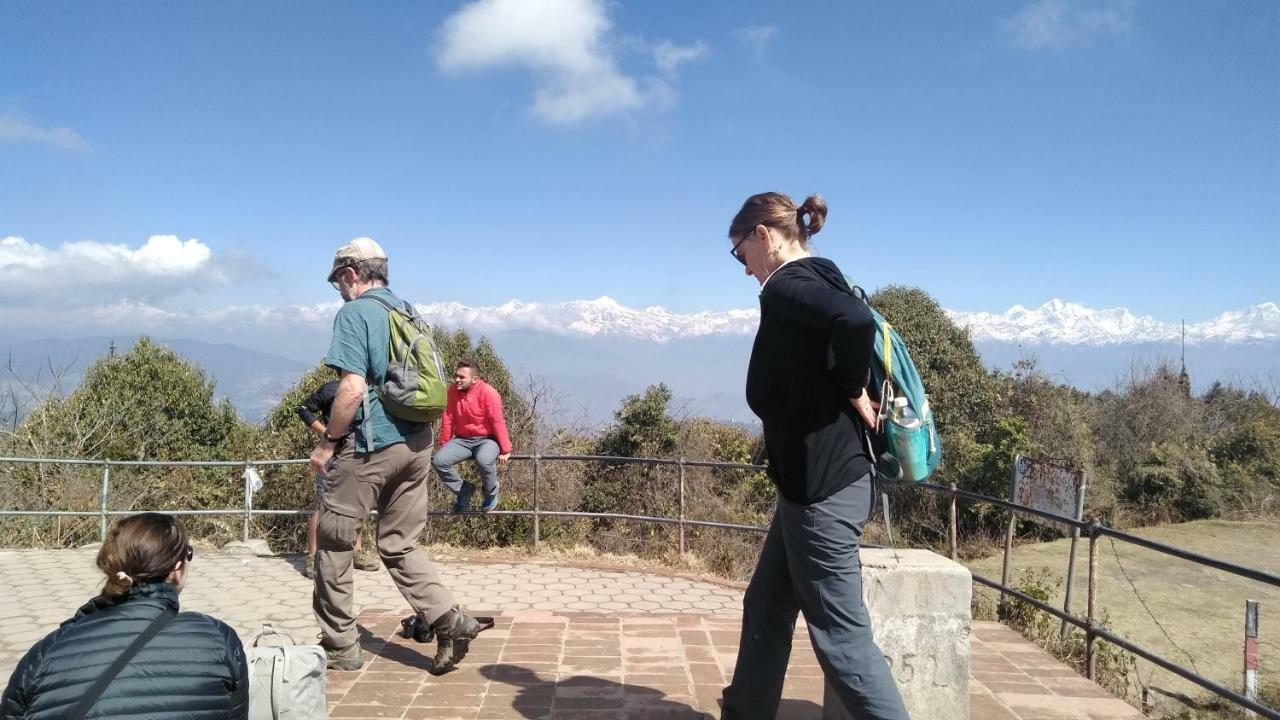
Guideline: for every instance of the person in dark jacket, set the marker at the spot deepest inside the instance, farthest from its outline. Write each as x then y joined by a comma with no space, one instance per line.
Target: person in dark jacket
194,668
314,413
806,381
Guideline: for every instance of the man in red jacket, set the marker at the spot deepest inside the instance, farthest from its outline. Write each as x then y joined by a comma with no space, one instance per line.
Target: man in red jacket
472,427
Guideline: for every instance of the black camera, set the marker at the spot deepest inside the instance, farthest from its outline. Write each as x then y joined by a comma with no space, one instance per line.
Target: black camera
413,627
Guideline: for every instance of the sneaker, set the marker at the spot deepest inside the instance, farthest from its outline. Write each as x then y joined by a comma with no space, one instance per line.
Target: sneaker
348,658
454,632
368,563
464,498
490,501
309,567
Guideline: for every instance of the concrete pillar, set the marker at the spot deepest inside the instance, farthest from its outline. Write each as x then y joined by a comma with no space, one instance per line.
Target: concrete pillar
920,610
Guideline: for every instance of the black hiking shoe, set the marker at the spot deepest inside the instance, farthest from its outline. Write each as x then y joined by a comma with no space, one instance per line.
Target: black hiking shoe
454,632
463,501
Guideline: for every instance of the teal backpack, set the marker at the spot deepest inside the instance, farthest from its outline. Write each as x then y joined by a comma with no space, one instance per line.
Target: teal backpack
914,448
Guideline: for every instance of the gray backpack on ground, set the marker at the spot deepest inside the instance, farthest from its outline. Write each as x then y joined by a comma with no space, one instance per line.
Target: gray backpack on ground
286,680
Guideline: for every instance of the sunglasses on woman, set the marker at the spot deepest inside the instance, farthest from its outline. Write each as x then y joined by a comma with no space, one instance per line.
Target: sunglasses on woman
734,250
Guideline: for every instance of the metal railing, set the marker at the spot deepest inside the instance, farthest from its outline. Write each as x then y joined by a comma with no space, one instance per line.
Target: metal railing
1090,624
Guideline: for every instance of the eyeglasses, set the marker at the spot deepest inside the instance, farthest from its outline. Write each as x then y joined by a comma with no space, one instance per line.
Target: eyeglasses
335,274
734,250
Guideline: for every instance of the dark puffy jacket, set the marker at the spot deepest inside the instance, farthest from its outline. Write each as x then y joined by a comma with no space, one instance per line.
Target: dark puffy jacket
194,668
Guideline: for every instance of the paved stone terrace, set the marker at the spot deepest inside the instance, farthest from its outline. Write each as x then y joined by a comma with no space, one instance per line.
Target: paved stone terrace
571,643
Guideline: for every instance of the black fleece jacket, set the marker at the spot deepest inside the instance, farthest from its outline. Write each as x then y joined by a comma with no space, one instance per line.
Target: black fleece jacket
318,404
812,353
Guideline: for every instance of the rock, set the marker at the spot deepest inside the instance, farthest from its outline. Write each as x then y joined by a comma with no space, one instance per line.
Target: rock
249,547
919,603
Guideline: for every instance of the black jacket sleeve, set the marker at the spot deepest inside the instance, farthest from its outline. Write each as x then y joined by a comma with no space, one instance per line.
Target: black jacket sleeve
239,665
836,311
16,699
318,403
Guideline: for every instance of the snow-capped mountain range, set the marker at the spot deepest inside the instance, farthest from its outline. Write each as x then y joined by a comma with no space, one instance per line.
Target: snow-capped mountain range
603,316
1053,323
594,352
1059,323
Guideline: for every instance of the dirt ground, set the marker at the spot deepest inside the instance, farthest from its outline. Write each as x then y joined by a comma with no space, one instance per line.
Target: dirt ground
1201,609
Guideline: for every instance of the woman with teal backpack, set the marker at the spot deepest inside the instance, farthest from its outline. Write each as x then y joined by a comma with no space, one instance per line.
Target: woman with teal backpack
807,381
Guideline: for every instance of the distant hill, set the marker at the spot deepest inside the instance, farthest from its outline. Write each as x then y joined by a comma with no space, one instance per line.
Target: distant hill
1099,367
254,381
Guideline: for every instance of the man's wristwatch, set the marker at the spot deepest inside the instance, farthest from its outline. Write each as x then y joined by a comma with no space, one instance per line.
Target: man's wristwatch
332,439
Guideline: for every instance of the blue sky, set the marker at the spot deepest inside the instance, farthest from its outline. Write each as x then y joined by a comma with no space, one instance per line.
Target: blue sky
1107,153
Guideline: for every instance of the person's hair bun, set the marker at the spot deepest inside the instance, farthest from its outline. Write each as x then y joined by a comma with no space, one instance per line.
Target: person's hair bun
816,210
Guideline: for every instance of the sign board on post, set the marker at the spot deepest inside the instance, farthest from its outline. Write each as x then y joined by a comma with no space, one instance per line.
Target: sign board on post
1047,486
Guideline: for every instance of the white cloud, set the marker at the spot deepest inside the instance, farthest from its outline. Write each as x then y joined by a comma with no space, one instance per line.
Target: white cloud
566,45
16,128
1057,24
87,270
757,37
668,56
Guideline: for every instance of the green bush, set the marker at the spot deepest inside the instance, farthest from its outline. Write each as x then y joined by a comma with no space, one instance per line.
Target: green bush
1114,668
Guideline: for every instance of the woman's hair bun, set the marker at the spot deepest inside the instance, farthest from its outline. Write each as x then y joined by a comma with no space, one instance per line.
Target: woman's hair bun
816,210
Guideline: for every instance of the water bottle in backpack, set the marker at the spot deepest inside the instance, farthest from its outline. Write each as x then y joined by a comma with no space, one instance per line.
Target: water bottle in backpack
908,440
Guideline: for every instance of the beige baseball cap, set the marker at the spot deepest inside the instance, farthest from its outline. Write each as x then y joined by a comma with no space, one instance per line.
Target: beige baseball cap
358,250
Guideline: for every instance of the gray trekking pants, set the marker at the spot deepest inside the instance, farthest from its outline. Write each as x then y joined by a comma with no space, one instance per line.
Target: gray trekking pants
485,452
809,563
392,480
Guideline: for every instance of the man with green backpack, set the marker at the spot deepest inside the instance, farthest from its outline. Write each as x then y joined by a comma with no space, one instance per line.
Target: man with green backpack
375,454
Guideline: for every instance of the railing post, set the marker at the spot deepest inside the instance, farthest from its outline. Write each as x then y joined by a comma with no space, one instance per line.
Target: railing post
952,541
537,501
681,505
1090,654
1251,659
248,500
1008,552
102,501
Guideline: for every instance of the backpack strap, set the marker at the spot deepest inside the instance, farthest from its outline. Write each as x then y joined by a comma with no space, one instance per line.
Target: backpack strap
86,703
366,428
406,307
275,637
277,683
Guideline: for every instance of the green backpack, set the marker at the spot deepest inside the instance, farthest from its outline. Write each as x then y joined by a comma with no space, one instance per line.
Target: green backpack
414,388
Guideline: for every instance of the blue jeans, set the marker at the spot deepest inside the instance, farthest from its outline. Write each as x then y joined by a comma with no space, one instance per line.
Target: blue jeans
810,564
483,450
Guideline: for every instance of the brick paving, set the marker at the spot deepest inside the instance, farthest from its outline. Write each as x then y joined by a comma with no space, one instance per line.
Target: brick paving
570,643
570,665
1012,679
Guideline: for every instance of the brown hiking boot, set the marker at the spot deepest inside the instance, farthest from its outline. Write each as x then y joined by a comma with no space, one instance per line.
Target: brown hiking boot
368,563
454,632
347,658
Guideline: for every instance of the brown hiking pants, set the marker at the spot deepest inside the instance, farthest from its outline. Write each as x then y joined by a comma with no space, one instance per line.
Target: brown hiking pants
392,480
